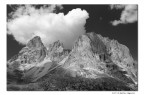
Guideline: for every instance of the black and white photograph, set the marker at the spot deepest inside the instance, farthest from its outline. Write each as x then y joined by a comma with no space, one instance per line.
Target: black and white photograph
72,47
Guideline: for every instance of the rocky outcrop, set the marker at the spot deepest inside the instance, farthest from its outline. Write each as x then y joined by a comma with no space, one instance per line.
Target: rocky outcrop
35,60
92,56
120,55
56,51
30,59
95,56
29,56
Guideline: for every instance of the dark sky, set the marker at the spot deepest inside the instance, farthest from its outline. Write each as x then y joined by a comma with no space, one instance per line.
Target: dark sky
99,22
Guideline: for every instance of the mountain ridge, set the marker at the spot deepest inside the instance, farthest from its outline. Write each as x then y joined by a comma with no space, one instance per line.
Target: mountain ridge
92,57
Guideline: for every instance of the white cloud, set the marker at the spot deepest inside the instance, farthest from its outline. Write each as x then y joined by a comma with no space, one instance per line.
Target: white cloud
27,22
128,15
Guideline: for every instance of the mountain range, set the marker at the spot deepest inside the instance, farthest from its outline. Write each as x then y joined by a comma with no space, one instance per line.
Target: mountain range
94,63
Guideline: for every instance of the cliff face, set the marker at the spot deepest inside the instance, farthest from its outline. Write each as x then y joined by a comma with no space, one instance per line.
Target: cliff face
56,51
35,60
95,56
29,56
92,56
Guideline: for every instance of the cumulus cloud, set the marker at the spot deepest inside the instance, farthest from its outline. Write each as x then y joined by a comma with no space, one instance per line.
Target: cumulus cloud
29,21
128,15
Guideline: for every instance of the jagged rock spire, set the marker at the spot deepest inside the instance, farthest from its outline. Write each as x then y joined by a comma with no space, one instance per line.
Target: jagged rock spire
35,42
92,56
96,56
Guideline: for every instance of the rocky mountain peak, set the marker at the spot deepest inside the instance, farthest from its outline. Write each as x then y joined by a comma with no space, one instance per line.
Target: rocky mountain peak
92,56
35,42
56,51
29,56
56,46
90,44
95,56
91,41
96,44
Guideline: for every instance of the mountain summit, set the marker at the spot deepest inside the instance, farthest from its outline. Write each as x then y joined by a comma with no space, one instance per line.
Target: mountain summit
35,42
92,57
